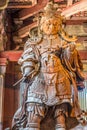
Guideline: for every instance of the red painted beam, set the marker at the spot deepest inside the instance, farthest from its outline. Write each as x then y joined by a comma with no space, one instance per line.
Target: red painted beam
15,55
11,55
25,13
81,39
3,61
83,55
76,21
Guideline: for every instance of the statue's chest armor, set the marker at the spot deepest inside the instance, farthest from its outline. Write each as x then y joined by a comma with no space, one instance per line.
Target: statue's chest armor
48,46
49,61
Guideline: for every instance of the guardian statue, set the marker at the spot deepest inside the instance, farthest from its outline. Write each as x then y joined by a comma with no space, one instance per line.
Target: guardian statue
52,70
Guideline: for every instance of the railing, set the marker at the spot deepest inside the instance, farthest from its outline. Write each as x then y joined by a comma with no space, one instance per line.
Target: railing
83,98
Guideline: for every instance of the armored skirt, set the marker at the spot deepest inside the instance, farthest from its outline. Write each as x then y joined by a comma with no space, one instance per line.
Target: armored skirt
50,87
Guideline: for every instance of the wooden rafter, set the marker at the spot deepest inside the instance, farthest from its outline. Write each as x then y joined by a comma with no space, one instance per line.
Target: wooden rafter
21,4
25,13
75,8
24,31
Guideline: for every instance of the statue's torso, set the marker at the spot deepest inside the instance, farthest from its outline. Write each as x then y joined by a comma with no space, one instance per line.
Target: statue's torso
50,63
51,85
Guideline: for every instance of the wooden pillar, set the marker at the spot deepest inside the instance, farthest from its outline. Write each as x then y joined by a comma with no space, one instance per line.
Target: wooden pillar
3,62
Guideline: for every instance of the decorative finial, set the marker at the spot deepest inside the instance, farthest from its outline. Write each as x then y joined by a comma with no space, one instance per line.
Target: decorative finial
51,10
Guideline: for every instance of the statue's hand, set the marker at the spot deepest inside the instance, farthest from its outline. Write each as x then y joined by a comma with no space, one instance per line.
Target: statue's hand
26,71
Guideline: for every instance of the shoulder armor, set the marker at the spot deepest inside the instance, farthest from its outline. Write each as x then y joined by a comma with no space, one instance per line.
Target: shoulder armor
34,40
66,37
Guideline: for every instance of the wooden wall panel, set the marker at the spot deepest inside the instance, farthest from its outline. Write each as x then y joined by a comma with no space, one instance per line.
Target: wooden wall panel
11,104
11,94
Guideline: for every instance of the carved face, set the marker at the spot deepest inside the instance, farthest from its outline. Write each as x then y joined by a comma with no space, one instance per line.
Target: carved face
51,26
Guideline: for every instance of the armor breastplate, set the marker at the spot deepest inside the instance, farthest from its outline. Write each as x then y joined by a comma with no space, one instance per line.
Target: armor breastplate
50,63
50,83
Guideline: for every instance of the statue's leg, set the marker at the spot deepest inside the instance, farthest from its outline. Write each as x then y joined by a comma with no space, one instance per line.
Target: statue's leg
59,120
60,123
35,113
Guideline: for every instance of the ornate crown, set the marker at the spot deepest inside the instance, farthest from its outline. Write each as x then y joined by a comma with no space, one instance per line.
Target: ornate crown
52,10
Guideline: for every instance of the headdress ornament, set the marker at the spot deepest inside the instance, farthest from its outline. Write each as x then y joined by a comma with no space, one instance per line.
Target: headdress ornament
52,10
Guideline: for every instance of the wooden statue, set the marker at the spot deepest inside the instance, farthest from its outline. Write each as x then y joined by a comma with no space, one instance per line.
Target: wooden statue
52,70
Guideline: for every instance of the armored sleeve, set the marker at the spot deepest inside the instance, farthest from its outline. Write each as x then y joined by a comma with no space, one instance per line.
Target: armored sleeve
71,59
28,60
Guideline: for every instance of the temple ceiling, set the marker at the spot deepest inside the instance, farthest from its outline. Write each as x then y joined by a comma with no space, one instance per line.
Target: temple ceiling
19,19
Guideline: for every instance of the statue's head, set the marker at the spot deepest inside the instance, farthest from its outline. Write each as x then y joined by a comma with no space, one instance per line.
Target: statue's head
51,21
